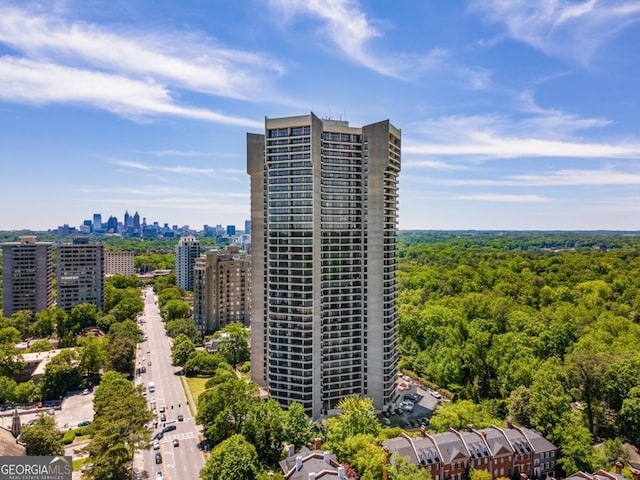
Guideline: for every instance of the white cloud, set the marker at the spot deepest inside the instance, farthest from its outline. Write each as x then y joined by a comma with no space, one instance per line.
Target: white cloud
433,164
134,165
558,178
564,28
23,80
180,169
182,59
542,133
347,27
506,198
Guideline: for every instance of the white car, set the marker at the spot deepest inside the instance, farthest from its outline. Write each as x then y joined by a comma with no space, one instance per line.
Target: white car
435,394
156,445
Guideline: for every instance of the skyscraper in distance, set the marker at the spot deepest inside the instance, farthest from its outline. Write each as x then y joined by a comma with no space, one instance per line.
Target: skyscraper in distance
324,199
187,250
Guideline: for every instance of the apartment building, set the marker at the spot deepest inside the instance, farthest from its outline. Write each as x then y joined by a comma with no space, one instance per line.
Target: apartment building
187,250
27,273
324,198
80,273
118,263
222,289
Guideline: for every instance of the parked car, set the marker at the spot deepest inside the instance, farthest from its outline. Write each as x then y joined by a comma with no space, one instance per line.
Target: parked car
180,418
163,417
158,457
159,476
85,391
84,423
435,394
156,445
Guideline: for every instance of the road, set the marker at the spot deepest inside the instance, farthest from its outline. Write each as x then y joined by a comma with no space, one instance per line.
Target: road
186,460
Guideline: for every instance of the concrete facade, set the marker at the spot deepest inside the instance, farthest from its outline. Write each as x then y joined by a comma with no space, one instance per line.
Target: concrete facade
80,274
323,236
118,263
187,250
222,289
27,275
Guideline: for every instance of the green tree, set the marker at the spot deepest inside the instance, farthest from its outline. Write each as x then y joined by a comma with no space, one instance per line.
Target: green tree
175,309
402,469
223,409
40,346
7,389
83,315
357,417
26,392
204,364
181,349
479,474
630,416
11,362
460,414
236,349
61,374
42,438
585,370
47,321
520,409
126,329
297,428
184,326
264,429
362,453
121,352
118,427
92,354
234,458
9,335
128,308
576,451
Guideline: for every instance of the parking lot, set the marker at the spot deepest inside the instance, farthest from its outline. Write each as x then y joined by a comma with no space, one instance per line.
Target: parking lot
75,408
414,409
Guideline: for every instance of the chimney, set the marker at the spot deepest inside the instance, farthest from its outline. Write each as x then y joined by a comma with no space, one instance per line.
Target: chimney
423,430
509,422
312,476
291,449
298,463
484,434
618,467
341,475
470,427
317,443
636,474
326,456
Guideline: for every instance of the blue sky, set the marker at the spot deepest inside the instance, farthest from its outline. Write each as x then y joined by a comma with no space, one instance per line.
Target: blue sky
515,114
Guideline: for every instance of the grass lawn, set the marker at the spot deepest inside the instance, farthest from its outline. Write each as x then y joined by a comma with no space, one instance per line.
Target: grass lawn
78,463
196,385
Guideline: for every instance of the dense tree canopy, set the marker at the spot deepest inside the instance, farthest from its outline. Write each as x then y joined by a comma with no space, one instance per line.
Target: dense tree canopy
42,438
543,326
118,427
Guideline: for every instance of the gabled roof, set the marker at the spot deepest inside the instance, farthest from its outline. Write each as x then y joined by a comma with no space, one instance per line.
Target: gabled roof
322,463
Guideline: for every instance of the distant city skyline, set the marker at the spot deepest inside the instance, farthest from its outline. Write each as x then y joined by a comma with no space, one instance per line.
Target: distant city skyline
515,115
